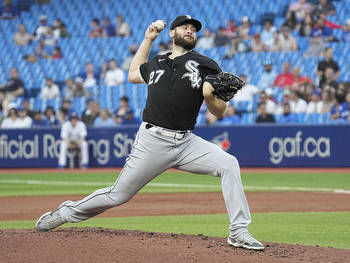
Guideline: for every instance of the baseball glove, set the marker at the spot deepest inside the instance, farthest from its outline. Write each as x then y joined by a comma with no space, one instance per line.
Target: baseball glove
225,85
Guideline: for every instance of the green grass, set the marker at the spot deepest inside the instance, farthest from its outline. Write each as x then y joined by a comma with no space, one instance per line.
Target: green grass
80,183
323,229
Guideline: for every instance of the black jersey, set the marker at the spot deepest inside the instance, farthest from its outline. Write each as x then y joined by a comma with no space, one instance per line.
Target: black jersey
175,93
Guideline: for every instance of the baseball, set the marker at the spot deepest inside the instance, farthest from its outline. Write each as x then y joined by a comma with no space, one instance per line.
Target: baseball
159,24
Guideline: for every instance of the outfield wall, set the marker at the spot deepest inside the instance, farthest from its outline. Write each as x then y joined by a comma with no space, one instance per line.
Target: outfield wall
263,145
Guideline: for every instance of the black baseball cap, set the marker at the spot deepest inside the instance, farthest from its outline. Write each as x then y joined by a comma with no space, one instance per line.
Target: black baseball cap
180,20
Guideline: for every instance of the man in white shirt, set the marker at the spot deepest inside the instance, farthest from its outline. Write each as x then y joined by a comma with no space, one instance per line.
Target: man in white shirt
50,90
73,133
23,121
11,121
267,33
316,104
114,76
41,30
297,104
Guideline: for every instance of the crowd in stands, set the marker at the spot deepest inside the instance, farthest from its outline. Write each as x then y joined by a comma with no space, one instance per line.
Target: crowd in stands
282,95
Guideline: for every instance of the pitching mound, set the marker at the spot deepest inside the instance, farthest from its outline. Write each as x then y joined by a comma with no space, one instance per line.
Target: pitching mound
105,245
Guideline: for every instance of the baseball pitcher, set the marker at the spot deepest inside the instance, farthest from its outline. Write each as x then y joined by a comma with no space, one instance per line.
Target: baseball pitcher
178,82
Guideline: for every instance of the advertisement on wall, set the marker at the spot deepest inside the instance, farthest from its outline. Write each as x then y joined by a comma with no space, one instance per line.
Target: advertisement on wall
267,146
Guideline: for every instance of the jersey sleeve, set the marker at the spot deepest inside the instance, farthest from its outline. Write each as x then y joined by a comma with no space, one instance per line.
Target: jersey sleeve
144,72
210,67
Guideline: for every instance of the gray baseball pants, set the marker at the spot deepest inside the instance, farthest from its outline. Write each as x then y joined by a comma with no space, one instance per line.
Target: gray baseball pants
154,153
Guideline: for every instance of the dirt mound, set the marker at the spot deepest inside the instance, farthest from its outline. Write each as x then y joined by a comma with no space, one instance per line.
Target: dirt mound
105,245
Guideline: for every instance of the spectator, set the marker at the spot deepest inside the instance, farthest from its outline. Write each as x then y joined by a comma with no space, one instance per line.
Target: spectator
263,116
122,29
114,76
329,79
42,28
9,12
244,30
346,33
267,33
90,76
127,61
269,100
50,90
50,116
73,134
56,53
56,28
22,38
248,91
257,44
268,76
298,105
91,113
40,51
346,114
230,30
124,113
242,45
340,107
316,104
11,121
327,100
80,89
324,6
328,23
285,78
96,30
276,44
286,99
316,45
66,106
12,89
221,39
299,79
301,9
230,117
38,120
344,86
291,20
104,120
306,91
206,41
62,115
23,120
328,62
288,42
26,105
323,31
69,89
306,26
108,29
64,32
287,116
49,38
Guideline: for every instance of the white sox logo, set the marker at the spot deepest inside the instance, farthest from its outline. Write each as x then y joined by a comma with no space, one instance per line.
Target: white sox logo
193,74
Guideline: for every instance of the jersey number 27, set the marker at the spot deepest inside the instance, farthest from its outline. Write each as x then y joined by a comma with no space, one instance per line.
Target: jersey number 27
154,79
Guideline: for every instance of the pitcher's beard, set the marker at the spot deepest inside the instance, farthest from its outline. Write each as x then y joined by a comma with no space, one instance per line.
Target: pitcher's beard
182,42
